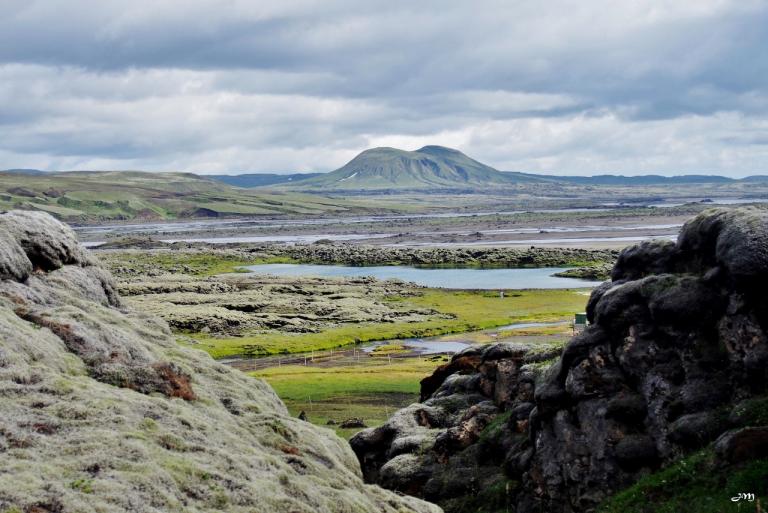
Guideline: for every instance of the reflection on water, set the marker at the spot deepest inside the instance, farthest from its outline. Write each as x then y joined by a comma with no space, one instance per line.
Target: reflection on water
420,346
438,344
493,279
527,325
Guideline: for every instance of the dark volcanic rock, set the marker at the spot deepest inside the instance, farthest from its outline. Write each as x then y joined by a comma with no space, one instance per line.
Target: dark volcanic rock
648,257
743,444
457,441
678,338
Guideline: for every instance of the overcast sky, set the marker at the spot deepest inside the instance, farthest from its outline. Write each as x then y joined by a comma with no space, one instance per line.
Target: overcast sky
229,86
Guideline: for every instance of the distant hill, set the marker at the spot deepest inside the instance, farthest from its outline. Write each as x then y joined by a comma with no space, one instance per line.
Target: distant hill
261,179
87,196
431,167
438,168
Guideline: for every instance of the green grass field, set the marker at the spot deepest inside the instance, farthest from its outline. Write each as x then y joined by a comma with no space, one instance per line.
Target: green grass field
466,311
371,390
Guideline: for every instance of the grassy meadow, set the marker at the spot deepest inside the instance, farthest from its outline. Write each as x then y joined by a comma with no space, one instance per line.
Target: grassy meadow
376,385
459,311
372,389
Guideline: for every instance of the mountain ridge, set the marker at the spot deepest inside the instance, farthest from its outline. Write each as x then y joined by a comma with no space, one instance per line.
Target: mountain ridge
431,166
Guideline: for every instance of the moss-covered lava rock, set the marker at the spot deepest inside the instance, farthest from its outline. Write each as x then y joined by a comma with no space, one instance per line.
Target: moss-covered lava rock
101,411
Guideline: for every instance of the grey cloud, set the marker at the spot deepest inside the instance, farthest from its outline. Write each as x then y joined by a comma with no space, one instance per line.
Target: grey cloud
524,85
403,48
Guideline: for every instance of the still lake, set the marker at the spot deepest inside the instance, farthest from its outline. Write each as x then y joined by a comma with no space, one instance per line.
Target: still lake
536,278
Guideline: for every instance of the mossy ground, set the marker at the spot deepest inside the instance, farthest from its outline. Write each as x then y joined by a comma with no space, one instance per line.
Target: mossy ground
462,311
492,430
696,484
372,389
699,483
200,264
753,412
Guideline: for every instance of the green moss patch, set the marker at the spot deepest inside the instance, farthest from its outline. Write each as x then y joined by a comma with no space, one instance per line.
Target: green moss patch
696,484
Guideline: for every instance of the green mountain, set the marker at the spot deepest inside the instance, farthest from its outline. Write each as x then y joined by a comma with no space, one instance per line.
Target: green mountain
431,167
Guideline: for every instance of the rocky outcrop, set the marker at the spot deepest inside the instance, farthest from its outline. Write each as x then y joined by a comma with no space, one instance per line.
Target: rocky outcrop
676,353
101,410
453,445
363,255
597,272
354,254
241,303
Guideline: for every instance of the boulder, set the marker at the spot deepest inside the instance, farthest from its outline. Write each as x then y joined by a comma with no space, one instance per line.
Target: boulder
14,264
644,259
743,444
436,449
353,422
47,243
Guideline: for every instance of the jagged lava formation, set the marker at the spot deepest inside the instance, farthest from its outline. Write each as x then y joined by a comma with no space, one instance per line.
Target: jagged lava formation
674,361
101,411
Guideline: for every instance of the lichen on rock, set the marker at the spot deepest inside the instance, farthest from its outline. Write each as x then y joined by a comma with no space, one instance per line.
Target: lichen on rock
100,409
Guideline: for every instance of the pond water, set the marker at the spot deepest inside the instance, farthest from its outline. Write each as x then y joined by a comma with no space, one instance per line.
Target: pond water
493,279
423,346
439,345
